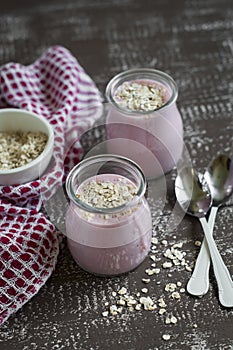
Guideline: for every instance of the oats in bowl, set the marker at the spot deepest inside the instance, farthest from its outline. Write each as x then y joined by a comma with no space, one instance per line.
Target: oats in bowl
19,148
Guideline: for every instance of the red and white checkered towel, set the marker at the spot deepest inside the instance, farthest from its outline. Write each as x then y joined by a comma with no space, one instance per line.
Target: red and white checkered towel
58,88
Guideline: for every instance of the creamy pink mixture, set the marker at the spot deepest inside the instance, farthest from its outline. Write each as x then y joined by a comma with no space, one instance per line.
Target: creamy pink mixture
109,243
154,138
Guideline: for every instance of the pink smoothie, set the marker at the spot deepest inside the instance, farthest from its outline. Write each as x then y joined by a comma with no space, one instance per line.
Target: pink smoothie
153,139
109,243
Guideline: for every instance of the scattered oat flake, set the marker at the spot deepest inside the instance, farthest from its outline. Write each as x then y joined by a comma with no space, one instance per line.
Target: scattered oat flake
178,245
113,310
162,311
151,272
119,310
146,280
121,302
147,303
173,319
175,295
198,243
168,254
105,313
153,257
166,336
144,290
164,242
170,287
138,307
167,265
131,302
162,303
154,240
122,291
188,268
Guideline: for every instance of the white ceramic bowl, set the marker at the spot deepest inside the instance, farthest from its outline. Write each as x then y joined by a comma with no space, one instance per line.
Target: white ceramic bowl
12,119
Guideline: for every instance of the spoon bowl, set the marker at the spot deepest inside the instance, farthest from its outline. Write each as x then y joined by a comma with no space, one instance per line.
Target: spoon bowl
219,176
192,192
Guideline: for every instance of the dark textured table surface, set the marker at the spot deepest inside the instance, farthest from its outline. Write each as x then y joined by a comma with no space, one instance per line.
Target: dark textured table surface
192,40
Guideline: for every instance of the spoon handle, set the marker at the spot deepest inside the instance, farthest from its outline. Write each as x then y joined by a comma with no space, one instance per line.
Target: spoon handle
198,284
223,277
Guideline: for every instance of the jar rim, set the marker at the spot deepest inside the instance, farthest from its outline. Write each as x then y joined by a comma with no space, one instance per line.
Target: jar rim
151,73
93,160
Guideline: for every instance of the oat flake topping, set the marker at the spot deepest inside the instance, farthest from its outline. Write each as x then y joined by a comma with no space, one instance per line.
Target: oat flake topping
107,194
140,96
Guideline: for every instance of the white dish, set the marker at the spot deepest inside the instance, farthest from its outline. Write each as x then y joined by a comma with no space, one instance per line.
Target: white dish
12,119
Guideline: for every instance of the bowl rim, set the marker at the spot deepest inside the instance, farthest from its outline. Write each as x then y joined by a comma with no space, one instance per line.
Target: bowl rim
48,146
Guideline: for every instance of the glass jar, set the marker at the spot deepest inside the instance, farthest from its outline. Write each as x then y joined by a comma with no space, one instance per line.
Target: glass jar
108,241
154,138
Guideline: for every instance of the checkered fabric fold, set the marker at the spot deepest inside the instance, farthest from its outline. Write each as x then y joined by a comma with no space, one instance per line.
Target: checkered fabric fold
56,87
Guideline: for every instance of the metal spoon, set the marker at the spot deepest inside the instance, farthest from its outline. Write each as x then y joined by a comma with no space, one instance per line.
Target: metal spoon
194,197
219,177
